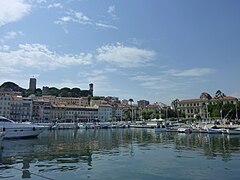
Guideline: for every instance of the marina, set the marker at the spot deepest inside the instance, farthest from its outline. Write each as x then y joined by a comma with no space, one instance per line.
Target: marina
121,153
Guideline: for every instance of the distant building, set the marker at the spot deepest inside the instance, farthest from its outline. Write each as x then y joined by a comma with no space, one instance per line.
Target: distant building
193,107
104,112
143,103
125,102
45,90
5,105
33,84
41,110
21,109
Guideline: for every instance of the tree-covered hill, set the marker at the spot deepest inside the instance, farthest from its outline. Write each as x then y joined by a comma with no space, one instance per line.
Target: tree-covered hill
11,86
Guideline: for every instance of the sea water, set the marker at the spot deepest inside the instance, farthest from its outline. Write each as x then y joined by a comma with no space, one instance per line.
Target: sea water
121,154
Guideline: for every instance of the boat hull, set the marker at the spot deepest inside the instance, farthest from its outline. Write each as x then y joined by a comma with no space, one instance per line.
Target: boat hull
233,131
23,132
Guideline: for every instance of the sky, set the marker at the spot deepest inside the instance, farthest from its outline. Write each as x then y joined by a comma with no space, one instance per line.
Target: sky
156,50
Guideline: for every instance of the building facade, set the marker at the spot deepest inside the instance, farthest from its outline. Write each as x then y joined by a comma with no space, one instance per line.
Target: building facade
5,105
104,113
199,107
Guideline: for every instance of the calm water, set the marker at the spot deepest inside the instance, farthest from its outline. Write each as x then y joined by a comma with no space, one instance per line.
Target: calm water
121,154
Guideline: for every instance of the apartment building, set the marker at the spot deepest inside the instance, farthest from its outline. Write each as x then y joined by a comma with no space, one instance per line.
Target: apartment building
21,109
5,105
105,112
41,110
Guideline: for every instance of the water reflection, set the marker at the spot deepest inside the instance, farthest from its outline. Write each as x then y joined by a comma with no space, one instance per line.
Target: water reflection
72,150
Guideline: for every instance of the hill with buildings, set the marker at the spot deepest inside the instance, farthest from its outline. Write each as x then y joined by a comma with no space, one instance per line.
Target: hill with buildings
53,91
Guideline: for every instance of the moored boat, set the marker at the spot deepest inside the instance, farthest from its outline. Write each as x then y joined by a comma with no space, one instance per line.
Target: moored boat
13,129
233,131
214,130
184,130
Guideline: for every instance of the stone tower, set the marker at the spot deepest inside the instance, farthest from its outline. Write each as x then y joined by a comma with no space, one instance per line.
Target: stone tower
33,84
91,88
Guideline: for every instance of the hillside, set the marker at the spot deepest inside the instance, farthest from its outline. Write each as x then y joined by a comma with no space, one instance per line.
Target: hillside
10,86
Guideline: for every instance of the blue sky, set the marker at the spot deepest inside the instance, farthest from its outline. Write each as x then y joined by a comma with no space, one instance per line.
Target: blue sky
157,50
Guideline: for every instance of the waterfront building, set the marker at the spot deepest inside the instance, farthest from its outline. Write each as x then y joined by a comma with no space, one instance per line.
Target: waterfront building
105,112
193,107
70,113
5,105
33,84
41,110
21,109
117,113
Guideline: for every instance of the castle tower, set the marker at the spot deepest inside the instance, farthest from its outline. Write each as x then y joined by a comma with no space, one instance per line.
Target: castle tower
33,84
91,88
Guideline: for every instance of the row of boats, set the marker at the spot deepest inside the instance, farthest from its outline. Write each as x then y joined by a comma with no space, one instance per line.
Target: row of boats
11,129
210,130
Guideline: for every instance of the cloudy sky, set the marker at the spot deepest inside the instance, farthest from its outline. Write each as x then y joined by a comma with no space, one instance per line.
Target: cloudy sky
157,50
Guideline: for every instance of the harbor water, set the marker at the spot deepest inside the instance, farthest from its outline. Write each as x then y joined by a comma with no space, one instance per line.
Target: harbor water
121,154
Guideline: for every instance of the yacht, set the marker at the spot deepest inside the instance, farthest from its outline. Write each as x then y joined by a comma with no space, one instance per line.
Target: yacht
234,131
13,129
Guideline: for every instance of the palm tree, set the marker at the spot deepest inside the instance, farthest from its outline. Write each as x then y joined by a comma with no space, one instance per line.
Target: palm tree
131,101
219,94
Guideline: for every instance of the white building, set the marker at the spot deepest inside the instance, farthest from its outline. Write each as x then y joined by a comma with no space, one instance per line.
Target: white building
73,113
5,105
105,113
21,109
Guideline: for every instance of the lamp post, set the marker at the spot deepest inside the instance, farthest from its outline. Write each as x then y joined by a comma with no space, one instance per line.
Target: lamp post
221,114
207,109
236,112
131,101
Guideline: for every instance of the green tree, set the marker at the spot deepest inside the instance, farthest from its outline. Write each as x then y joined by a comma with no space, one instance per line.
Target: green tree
75,92
53,91
28,92
65,92
38,92
219,94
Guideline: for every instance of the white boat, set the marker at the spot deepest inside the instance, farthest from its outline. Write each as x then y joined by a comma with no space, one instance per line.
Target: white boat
13,129
203,130
233,131
184,130
2,134
214,130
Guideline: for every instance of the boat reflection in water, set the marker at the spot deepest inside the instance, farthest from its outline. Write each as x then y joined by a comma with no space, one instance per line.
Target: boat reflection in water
106,153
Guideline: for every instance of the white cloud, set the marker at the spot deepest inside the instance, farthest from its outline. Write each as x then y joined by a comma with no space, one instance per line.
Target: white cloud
111,12
13,34
4,48
107,26
55,5
195,72
74,16
124,56
78,17
156,82
174,80
13,10
111,9
40,57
